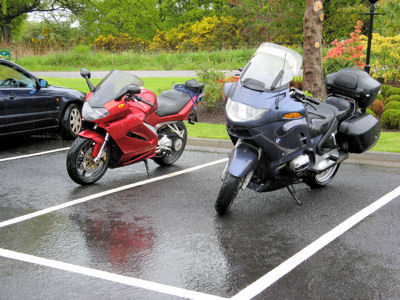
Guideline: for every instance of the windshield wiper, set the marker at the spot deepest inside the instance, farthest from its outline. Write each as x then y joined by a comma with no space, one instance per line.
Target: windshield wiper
277,79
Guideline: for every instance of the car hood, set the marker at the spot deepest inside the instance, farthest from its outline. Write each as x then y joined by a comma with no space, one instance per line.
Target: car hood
68,92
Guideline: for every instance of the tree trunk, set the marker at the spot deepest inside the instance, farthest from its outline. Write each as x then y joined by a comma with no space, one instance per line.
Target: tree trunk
313,76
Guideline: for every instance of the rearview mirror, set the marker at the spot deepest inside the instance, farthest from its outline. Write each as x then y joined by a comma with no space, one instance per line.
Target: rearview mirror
133,89
43,83
85,73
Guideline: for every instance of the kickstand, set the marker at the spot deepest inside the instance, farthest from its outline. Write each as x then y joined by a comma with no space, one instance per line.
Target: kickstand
146,163
292,192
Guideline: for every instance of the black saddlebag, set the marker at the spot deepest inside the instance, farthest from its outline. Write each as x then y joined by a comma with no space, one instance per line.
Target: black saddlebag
354,83
358,133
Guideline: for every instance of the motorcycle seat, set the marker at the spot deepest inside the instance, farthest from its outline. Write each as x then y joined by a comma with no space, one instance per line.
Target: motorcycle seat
344,107
320,117
171,102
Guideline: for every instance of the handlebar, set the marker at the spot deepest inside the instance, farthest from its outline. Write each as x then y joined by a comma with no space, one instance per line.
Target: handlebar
138,98
301,96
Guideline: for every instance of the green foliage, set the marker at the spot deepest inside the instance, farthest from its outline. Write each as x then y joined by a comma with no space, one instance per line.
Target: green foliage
389,23
72,61
391,119
340,17
133,17
393,105
385,88
213,88
371,112
392,98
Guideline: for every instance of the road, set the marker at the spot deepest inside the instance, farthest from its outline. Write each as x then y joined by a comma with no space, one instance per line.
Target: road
128,238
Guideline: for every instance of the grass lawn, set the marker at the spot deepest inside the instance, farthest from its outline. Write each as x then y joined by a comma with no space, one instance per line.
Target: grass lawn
155,84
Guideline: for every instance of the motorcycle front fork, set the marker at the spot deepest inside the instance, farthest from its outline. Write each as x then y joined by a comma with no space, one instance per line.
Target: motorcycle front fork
106,138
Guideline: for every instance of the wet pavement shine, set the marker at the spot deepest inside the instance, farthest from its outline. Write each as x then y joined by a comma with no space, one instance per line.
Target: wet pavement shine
168,233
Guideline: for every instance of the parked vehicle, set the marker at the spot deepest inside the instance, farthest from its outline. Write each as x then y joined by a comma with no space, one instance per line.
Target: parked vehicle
29,104
130,124
281,136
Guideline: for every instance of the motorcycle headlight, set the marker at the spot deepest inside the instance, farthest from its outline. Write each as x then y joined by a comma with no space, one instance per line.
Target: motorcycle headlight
240,112
90,114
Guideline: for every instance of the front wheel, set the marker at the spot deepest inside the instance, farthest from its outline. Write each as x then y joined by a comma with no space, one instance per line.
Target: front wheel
81,166
229,190
322,179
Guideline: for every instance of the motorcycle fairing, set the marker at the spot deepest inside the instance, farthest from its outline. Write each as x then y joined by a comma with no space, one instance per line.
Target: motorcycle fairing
242,160
97,137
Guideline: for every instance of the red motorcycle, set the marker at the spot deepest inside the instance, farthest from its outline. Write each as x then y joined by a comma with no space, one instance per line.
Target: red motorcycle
130,124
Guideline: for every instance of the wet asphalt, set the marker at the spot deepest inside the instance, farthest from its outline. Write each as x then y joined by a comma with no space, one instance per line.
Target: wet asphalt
168,232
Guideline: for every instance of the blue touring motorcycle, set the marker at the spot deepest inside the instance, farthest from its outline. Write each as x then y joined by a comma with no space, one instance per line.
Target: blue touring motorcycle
281,136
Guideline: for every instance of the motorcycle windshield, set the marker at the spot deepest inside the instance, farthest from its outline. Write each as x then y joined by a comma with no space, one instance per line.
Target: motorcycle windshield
110,87
271,68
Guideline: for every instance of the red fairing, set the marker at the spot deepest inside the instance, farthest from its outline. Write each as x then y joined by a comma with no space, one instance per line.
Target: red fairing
95,136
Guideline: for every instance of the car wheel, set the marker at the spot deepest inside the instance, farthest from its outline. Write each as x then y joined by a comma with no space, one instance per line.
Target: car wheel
71,122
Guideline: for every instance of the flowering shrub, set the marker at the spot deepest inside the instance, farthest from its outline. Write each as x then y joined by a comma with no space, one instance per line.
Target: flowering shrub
346,53
122,42
386,56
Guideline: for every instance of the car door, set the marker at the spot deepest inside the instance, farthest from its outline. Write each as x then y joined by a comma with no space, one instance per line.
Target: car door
3,128
27,107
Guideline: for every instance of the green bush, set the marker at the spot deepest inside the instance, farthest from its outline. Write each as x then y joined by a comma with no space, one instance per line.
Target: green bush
385,90
391,119
392,98
379,97
393,105
369,111
394,91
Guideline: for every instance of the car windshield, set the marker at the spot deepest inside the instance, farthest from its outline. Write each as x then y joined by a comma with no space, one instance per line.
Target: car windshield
109,88
271,67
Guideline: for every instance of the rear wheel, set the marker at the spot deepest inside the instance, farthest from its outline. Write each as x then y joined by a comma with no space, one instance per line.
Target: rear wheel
81,166
322,179
172,142
229,190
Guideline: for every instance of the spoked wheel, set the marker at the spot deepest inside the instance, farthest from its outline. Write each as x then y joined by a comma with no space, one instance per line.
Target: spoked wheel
322,179
229,190
172,142
81,166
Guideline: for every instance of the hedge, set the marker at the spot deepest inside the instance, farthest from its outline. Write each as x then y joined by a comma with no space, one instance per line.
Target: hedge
393,105
391,119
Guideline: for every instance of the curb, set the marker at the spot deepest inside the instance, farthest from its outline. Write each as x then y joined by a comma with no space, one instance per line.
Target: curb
385,159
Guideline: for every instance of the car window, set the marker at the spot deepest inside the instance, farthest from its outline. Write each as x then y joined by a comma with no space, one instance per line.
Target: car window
10,77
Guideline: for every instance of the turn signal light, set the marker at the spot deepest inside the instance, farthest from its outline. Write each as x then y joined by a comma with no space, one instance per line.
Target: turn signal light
293,115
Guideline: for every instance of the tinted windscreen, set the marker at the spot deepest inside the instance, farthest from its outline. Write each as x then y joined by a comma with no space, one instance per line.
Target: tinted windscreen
110,87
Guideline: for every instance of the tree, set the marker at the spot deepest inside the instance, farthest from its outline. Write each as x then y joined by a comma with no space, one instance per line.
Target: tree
137,18
12,11
313,77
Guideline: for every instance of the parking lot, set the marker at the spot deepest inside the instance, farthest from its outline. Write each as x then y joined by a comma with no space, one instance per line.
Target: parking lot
130,236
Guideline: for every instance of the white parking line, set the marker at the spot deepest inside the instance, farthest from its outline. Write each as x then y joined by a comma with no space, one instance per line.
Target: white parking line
139,283
284,268
34,154
105,193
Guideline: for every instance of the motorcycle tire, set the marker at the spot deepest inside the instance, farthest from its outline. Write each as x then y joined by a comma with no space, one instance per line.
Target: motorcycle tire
228,192
322,179
179,145
80,164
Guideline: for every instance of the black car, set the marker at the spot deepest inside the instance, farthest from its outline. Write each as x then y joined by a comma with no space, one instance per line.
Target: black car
29,104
